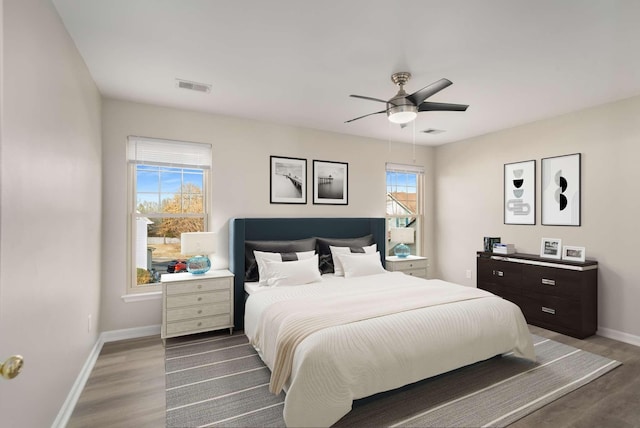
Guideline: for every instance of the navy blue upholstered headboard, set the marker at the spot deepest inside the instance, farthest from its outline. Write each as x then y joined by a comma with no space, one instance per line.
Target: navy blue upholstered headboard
282,229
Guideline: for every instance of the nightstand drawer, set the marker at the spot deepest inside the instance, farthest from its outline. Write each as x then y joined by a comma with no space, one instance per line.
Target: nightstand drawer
198,299
189,312
198,286
420,273
197,324
405,265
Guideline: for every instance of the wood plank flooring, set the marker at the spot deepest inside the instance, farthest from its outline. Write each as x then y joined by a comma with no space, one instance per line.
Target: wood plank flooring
126,389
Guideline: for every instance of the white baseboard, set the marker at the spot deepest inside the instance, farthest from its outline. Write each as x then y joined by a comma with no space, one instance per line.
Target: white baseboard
619,335
69,404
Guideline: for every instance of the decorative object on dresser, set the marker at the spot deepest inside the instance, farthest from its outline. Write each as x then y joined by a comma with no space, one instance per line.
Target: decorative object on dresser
288,180
503,248
196,303
520,192
403,236
557,295
551,248
330,183
411,265
489,242
561,190
199,245
574,254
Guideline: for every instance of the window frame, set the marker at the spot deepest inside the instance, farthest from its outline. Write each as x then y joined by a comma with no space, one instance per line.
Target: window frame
132,286
419,214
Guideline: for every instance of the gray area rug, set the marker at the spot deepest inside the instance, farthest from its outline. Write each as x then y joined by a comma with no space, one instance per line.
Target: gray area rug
220,381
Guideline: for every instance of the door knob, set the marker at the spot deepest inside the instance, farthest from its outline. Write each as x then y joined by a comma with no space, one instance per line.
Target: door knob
11,367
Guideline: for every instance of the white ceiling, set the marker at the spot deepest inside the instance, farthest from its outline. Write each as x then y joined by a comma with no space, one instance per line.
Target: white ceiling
296,62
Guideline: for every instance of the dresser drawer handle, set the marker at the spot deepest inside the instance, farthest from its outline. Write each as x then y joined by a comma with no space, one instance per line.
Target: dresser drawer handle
546,281
498,273
548,310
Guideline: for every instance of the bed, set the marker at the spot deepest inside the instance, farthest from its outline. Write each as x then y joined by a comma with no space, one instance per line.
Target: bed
362,333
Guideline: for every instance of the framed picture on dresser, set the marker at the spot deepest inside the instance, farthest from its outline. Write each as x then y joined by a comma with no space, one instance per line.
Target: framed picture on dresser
520,192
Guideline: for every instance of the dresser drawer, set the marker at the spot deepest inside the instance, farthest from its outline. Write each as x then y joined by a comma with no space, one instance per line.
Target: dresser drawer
198,285
552,310
194,325
504,275
179,314
546,280
420,273
198,299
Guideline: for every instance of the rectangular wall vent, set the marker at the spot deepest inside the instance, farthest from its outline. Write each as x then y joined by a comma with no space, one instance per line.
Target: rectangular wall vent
193,86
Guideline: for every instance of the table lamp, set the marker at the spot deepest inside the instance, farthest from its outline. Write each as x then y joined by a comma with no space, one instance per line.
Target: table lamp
199,245
403,235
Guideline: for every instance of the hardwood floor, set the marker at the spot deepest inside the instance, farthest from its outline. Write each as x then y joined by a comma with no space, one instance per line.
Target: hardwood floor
126,389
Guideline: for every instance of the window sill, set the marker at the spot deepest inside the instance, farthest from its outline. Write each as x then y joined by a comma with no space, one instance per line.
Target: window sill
139,297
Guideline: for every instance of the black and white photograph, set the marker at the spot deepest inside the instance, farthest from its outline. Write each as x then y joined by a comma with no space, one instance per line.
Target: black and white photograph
288,180
561,190
573,254
330,182
520,192
550,248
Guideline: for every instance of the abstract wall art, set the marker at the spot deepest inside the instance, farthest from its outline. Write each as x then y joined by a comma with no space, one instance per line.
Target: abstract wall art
561,190
520,192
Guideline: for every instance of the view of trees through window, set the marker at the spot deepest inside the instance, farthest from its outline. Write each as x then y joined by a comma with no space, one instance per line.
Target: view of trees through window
403,204
169,201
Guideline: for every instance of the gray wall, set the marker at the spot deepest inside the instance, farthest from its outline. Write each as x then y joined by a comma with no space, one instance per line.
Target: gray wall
51,210
241,150
468,201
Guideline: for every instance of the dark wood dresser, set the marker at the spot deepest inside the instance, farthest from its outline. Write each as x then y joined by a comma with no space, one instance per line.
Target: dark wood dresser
554,294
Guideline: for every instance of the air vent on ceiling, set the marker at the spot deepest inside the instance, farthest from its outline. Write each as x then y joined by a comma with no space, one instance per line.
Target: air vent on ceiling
194,86
433,131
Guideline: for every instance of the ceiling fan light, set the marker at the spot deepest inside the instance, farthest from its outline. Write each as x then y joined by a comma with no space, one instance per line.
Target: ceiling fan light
402,114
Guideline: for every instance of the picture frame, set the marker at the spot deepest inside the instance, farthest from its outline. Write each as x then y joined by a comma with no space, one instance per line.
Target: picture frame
287,180
561,193
551,248
574,254
520,193
330,182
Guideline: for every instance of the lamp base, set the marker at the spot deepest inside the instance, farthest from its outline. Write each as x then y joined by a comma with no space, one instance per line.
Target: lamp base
402,251
198,265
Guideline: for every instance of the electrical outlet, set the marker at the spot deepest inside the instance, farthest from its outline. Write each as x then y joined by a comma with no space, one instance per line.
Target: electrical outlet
468,273
89,323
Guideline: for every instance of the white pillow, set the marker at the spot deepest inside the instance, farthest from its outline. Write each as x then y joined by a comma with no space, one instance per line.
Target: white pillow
262,256
337,265
295,272
355,264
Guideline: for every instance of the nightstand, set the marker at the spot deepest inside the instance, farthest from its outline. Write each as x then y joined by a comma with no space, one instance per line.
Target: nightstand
411,265
196,303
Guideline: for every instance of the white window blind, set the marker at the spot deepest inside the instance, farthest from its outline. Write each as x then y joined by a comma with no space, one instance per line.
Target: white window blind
398,167
142,150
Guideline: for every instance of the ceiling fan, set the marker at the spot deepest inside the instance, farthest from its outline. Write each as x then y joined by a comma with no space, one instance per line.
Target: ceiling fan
403,108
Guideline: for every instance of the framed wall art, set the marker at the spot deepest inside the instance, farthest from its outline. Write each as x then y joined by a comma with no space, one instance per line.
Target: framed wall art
330,182
561,190
574,254
288,180
520,192
551,248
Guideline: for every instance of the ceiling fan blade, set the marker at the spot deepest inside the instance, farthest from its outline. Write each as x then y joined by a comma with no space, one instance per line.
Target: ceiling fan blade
419,96
428,106
381,111
368,98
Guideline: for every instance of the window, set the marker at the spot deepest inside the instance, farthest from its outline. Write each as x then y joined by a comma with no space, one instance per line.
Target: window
405,185
169,182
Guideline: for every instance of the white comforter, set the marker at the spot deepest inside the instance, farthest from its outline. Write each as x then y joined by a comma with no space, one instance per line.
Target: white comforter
391,342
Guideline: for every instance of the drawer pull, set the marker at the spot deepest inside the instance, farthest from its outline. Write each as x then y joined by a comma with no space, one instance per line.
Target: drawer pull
199,299
548,310
546,281
199,311
498,273
199,324
410,265
199,286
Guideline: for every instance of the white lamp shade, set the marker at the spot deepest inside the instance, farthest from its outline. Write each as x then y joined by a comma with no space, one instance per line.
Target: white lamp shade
404,235
197,243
